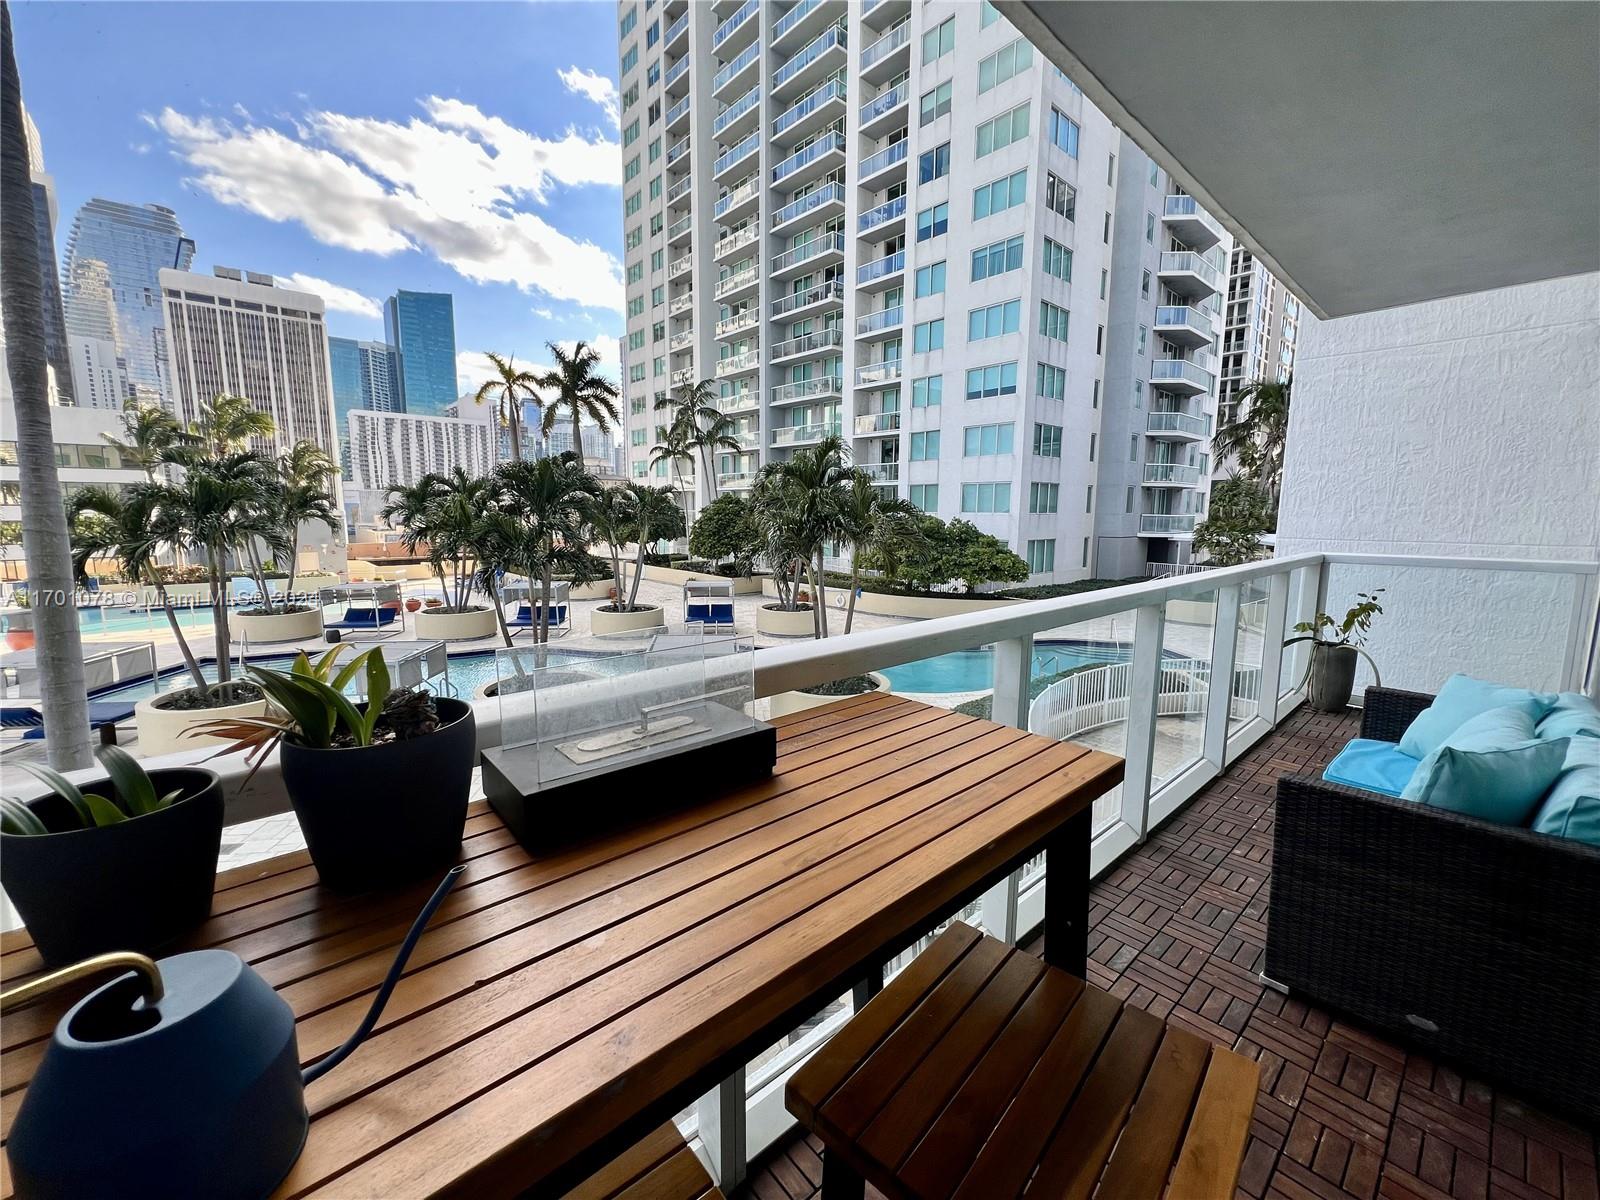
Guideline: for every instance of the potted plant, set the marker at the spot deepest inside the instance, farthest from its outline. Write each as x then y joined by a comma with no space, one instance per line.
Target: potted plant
127,862
1331,674
379,787
442,516
294,495
642,515
18,622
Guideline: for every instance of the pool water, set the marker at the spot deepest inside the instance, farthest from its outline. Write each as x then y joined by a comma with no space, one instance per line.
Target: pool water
973,670
138,620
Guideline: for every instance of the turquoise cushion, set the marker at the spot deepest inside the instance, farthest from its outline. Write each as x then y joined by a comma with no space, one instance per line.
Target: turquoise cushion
1492,767
1372,765
1459,700
1574,715
1571,808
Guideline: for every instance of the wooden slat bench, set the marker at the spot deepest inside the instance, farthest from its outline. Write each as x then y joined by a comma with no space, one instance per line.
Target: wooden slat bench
659,1167
980,1072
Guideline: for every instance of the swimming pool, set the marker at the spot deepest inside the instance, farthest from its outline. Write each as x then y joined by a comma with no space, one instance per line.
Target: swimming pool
973,670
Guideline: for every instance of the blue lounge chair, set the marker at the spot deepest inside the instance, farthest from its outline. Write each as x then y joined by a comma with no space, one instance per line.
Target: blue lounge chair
377,613
104,715
719,613
528,614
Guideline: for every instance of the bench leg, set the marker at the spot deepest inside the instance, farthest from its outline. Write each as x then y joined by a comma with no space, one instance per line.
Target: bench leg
1066,896
839,1181
108,735
865,989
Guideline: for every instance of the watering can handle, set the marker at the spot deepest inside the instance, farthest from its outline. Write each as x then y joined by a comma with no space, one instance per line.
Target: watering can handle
123,960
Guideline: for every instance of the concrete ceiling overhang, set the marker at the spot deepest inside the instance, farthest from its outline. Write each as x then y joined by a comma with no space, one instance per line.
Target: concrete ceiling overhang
1372,154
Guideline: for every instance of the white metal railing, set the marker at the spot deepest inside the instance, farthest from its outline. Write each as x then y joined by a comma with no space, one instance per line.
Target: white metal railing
884,318
1175,473
833,36
1178,523
735,281
882,422
807,104
886,45
1175,422
886,157
682,340
680,265
735,241
739,321
736,195
1099,697
793,435
830,289
681,303
807,389
809,343
887,211
745,57
736,110
886,371
828,243
889,264
683,376
1168,570
828,143
826,194
884,101
746,360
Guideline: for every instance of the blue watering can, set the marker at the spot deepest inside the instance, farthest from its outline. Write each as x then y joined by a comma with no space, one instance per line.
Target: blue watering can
180,1079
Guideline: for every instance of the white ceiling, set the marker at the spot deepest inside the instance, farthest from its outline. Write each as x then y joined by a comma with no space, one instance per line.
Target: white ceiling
1372,153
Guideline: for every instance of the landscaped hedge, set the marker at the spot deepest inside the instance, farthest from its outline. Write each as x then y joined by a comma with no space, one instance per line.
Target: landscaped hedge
893,587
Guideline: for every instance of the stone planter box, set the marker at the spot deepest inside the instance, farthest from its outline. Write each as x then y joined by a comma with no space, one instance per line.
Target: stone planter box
883,604
276,627
779,623
785,703
599,590
647,617
161,729
435,626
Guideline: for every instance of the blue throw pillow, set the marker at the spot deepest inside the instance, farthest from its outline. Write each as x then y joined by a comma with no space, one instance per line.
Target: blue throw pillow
1373,766
1571,809
1574,715
1459,700
1492,767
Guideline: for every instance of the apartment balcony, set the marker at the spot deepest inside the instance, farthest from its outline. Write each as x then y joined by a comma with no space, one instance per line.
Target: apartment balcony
803,20
1176,475
808,345
885,323
812,111
738,364
802,391
1175,426
680,267
677,35
878,374
739,402
1190,274
678,193
738,31
740,283
738,200
1167,524
804,68
733,243
739,118
736,481
742,152
881,273
803,435
678,150
798,304
679,231
1181,377
678,116
877,424
878,171
888,56
1191,224
676,80
882,221
886,111
682,340
681,303
1185,326
881,14
825,202
813,161
737,74
819,252
683,377
882,472
737,324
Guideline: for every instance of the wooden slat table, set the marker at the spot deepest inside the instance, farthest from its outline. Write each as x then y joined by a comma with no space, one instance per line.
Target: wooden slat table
559,1009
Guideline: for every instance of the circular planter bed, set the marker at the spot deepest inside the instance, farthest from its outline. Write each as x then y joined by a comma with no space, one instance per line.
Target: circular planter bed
297,626
782,622
162,727
435,625
383,815
591,591
791,702
646,616
136,885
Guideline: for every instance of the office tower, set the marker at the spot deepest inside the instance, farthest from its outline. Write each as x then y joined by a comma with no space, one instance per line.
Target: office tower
133,244
365,376
421,326
1261,327
57,357
888,220
597,446
99,376
390,449
239,333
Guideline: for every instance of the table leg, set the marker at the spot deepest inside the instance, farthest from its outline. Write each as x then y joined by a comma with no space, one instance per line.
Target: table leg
839,1181
1066,895
865,989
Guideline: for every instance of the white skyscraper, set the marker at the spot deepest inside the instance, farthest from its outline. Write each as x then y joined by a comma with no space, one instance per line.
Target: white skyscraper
389,449
1261,328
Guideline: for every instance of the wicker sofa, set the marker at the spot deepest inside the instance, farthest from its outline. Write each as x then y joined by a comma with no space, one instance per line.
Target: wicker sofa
1478,943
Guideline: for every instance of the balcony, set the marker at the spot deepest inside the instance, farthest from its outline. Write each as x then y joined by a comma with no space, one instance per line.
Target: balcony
680,266
803,20
882,472
738,200
799,391
880,14
677,150
738,283
797,304
738,364
1175,426
808,344
876,424
888,56
824,202
739,402
803,435
731,158
738,30
733,243
682,340
1181,377
886,322
804,165
676,32
818,252
678,116
740,71
1185,326
885,111
738,117
812,111
683,377
882,273
809,64
887,218
1166,524
878,171
679,231
736,324
680,190
1190,274
681,303
1191,224
736,481
1159,474
877,374
676,80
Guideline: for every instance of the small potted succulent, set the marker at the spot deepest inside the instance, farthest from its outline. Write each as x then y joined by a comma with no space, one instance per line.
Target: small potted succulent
1331,674
379,787
128,862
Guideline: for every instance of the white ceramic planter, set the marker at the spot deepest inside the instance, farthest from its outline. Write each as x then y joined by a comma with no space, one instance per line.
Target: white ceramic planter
435,626
781,623
646,617
785,703
276,627
161,729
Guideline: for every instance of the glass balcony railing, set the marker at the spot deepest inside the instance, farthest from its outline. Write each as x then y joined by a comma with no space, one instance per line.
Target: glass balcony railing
1187,261
680,189
738,153
807,389
735,241
1187,208
882,472
736,196
1179,474
1178,370
884,318
807,104
737,109
872,374
735,281
868,424
679,109
1166,523
676,30
828,143
884,101
886,45
794,435
827,243
735,479
793,17
1175,422
834,36
738,402
874,217
677,151
829,290
809,343
826,194
745,57
678,229
886,157
1179,316
745,11
676,71
889,264
737,323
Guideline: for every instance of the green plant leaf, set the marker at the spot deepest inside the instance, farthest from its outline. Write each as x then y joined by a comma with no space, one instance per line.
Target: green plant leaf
105,812
301,664
325,663
377,693
129,779
343,678
170,798
345,713
63,787
16,817
313,720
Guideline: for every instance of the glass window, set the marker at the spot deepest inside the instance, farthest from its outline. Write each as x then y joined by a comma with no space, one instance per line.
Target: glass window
927,392
635,272
930,279
1000,132
1144,286
994,320
631,169
630,135
630,60
997,379
1041,555
1057,260
925,446
1047,440
1063,132
1144,338
936,103
997,258
928,335
631,205
1150,228
658,295
934,164
636,340
1052,321
636,306
925,496
983,440
989,15
628,22
1060,197
655,188
999,195
1043,497
939,41
932,222
1004,63
985,497
1052,382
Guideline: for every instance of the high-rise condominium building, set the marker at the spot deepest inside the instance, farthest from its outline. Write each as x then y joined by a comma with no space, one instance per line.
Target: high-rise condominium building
134,243
57,356
421,326
239,333
891,220
1261,328
366,377
390,449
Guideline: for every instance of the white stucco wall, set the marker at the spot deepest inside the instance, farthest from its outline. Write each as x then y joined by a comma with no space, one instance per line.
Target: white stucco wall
1465,427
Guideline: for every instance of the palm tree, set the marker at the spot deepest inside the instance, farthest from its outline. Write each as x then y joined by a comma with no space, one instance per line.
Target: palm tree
656,517
304,473
148,432
546,502
443,511
1256,436
579,392
672,447
612,518
507,391
875,524
815,481
45,541
228,424
701,426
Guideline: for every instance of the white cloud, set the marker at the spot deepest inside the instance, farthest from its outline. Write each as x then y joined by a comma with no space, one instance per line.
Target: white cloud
337,298
473,367
455,183
596,87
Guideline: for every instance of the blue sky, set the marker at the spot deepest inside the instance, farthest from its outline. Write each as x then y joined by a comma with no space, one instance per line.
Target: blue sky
462,147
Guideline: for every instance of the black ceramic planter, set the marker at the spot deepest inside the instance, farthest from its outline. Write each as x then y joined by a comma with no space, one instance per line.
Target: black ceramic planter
138,885
380,816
